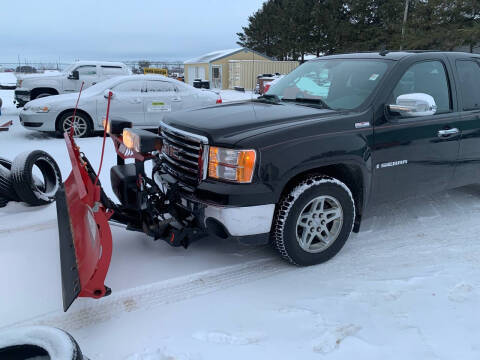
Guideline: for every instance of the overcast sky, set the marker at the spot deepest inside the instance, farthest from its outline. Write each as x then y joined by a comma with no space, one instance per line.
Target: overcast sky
49,30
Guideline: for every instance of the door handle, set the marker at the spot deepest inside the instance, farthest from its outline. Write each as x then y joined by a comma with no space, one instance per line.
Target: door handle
448,132
137,101
176,99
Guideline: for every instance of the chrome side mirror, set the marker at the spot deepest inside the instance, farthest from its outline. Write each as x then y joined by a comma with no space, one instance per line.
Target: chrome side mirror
417,104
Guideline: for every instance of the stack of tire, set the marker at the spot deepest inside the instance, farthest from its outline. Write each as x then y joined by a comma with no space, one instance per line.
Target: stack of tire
18,183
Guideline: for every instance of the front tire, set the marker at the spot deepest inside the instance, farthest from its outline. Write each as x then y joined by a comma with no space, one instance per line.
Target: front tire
82,126
313,221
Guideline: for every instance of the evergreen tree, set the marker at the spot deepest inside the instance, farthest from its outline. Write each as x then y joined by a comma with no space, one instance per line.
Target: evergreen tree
289,29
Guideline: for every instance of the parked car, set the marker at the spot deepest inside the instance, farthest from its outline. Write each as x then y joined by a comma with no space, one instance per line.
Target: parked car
8,81
30,87
25,69
143,99
297,167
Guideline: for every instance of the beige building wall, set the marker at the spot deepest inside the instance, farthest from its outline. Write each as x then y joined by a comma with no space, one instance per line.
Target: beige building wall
243,73
242,55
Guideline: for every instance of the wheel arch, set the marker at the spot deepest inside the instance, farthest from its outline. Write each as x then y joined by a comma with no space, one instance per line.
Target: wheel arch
351,174
79,111
39,90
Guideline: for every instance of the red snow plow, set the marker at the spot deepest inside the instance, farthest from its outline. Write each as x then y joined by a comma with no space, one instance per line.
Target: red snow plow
85,237
84,211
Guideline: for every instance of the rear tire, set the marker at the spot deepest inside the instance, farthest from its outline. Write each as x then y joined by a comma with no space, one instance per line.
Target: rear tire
313,221
26,185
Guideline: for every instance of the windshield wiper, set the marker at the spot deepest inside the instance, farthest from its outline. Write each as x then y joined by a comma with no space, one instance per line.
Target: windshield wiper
269,97
316,101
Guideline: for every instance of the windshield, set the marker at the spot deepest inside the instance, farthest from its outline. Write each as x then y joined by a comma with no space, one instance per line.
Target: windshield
334,84
68,69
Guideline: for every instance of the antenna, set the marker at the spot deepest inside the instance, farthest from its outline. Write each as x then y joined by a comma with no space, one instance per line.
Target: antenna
253,75
72,128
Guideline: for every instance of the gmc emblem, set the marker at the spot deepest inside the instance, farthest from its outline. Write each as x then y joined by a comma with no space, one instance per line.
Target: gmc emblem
170,151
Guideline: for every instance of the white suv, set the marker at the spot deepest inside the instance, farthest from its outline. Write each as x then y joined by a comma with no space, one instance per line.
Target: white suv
30,87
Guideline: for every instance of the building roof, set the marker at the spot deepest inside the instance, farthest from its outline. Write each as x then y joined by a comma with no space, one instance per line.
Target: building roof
93,62
219,54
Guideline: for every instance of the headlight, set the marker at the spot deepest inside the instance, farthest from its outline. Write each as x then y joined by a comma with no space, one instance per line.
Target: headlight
141,141
39,109
231,165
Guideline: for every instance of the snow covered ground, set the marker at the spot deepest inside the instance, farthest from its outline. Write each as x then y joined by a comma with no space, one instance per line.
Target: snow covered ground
406,287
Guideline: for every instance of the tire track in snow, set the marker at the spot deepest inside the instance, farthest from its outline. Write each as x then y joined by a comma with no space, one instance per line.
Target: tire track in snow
162,293
37,227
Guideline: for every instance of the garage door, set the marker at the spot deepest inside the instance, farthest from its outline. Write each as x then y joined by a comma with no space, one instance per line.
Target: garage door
195,72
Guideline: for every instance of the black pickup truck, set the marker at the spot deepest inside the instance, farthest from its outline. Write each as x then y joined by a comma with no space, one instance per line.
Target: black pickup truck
298,166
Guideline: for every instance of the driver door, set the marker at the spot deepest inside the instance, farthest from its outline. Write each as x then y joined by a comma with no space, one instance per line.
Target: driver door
126,103
416,155
86,73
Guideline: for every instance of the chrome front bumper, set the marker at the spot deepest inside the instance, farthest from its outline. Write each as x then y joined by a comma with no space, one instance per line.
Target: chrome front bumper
242,221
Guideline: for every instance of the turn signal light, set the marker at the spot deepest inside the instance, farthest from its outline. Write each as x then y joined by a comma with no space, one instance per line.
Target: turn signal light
231,165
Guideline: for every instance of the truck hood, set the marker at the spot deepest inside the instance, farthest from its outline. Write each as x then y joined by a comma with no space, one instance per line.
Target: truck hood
230,123
39,76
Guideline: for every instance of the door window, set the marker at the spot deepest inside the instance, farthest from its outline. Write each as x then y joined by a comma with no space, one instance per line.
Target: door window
87,70
112,70
154,86
469,73
427,77
130,86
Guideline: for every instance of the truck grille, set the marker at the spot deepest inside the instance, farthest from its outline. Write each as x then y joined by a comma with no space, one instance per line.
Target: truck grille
183,155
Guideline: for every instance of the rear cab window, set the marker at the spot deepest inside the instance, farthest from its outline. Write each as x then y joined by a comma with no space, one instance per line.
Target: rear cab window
469,84
111,71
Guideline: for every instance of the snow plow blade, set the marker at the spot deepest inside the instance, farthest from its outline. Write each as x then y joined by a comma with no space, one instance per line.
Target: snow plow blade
84,232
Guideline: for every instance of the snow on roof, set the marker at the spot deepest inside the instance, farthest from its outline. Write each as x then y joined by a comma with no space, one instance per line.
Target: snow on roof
215,55
93,62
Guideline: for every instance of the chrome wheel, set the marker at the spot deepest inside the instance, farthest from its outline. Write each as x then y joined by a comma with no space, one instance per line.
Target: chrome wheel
319,224
80,125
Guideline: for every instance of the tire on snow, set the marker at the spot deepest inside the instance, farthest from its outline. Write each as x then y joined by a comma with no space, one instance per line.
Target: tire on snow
38,342
6,163
25,184
285,227
3,202
6,186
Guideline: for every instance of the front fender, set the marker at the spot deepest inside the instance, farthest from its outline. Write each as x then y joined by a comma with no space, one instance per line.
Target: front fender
42,83
282,163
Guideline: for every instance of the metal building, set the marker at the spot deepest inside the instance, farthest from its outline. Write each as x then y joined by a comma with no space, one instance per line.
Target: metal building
214,66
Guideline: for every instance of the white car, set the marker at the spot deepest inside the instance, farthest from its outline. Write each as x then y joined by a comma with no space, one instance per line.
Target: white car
8,80
141,99
34,86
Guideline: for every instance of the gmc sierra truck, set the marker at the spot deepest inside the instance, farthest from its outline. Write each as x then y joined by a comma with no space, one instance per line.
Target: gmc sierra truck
35,86
296,167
